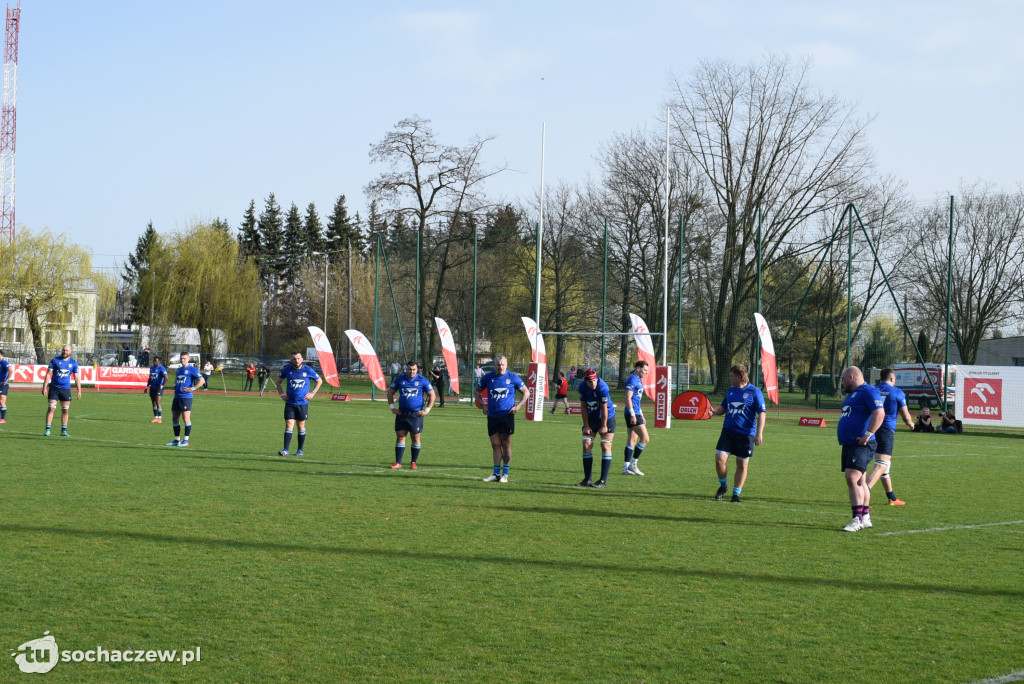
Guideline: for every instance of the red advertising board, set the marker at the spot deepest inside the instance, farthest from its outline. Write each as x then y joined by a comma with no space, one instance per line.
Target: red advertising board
812,422
662,396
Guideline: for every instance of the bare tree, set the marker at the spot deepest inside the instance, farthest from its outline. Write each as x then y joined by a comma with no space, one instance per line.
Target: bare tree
763,139
988,263
434,185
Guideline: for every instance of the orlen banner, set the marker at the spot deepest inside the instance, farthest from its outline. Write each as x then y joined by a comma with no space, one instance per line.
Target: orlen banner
448,350
368,356
771,376
537,351
644,350
662,396
326,356
104,376
990,395
535,377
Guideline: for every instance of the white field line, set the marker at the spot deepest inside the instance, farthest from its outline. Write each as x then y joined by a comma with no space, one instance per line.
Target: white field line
951,527
1005,679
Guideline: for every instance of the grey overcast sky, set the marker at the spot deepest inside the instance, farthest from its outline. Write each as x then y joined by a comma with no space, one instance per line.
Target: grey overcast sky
176,111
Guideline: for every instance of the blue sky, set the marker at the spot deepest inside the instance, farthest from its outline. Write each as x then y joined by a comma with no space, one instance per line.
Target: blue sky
137,111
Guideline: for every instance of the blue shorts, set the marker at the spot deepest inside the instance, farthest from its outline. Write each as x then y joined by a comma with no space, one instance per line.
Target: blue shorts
884,439
505,425
638,419
595,423
409,421
741,446
3,388
59,393
296,411
857,457
180,405
155,393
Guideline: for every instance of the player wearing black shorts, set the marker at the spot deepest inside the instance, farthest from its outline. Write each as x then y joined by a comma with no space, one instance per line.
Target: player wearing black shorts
5,379
862,415
500,408
57,388
598,419
296,396
411,388
742,430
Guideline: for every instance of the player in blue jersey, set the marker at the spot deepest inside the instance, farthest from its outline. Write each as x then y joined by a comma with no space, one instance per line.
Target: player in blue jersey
187,380
598,419
742,430
895,404
296,396
411,388
5,385
636,426
863,413
500,408
155,388
58,378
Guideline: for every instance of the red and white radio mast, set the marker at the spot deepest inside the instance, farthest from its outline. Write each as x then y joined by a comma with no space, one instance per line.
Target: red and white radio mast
8,121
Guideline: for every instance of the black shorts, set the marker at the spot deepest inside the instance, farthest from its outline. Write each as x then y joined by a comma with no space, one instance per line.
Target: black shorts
296,411
59,393
505,425
559,397
4,388
857,457
181,405
884,439
638,419
595,423
741,446
155,394
409,421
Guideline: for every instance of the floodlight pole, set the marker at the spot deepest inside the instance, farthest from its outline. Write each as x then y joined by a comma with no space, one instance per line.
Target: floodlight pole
472,341
757,355
540,233
949,305
604,299
679,299
664,289
849,291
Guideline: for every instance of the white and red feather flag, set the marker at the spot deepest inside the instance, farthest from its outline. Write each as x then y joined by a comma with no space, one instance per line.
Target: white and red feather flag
645,351
538,354
326,356
369,358
451,360
768,366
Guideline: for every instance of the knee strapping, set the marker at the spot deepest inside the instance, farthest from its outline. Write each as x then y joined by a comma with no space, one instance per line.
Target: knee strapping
606,441
53,404
886,466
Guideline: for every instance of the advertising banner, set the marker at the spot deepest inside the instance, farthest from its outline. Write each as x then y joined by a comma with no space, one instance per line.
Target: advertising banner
990,395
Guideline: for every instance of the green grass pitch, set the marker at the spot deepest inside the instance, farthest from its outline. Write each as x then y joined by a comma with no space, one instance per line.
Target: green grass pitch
334,568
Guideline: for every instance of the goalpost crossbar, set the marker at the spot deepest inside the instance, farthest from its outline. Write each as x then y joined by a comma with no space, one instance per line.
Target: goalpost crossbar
598,334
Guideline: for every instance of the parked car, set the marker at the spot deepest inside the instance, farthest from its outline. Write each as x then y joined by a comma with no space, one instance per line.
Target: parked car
193,360
356,367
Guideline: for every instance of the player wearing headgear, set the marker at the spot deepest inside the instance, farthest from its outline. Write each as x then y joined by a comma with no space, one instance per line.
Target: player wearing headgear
862,415
58,377
598,419
155,387
296,399
411,388
186,381
5,379
895,403
742,430
501,386
636,427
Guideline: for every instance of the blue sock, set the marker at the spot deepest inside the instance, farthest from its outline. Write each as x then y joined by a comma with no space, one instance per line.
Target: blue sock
723,481
737,490
588,465
504,469
3,412
415,452
188,430
177,430
302,439
287,439
639,450
399,451
47,426
606,464
629,454
497,469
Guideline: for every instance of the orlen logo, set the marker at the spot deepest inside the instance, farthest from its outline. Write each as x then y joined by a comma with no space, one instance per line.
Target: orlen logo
983,398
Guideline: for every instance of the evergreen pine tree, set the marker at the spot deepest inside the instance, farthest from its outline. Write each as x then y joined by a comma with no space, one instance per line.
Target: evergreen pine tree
293,250
341,228
313,231
137,270
271,230
248,234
